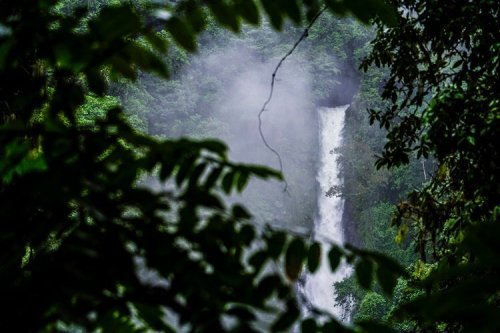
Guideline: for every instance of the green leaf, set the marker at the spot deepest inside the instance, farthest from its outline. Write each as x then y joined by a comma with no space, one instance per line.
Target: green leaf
267,285
152,315
332,326
146,59
309,326
196,18
228,181
225,14
182,33
215,146
275,244
19,160
114,322
203,198
338,7
263,172
242,181
96,82
334,257
196,174
273,11
158,42
285,321
313,257
247,234
166,170
248,10
292,9
386,279
116,22
364,273
258,259
240,212
213,177
184,170
294,258
120,66
4,52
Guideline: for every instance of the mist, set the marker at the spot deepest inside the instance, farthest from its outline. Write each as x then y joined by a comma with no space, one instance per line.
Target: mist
227,87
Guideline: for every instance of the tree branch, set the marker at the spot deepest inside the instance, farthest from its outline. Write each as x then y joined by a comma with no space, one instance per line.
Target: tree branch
271,92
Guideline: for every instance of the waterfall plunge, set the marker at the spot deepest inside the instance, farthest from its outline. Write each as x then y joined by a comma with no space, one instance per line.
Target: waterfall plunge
318,288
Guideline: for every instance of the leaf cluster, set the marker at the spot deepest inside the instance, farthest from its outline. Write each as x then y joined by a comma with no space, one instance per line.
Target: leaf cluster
86,243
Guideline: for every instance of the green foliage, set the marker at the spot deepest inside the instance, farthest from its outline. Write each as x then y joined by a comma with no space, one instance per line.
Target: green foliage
442,102
95,108
81,231
371,196
373,307
378,235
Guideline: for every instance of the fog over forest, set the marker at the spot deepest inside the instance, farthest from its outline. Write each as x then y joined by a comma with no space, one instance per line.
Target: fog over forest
236,80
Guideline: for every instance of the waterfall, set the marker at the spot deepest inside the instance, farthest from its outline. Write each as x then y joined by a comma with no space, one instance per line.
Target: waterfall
318,288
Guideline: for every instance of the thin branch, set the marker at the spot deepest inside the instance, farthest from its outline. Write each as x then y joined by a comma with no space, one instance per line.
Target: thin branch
271,92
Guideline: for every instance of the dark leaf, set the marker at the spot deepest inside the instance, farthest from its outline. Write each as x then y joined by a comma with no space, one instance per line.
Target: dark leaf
248,10
228,181
364,273
96,81
117,22
243,178
225,14
275,244
387,280
247,234
182,34
273,11
240,212
334,257
242,313
213,177
294,258
313,257
153,315
309,326
258,259
268,285
286,320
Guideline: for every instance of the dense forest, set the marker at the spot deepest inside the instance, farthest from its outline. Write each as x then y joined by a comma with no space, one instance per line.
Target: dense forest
142,191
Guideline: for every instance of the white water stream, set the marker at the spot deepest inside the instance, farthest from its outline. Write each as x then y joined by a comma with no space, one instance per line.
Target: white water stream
318,287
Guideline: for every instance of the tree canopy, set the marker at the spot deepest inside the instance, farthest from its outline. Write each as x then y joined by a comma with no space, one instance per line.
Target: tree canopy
442,103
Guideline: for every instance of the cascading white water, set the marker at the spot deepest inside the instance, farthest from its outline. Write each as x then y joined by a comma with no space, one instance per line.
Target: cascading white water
318,288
